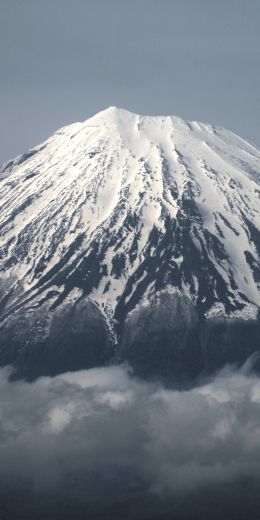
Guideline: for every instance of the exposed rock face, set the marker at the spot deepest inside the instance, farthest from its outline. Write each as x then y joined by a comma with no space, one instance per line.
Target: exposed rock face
73,337
131,238
226,340
161,339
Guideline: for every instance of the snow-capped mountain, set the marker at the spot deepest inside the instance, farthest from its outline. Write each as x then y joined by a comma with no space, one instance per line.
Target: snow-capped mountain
123,220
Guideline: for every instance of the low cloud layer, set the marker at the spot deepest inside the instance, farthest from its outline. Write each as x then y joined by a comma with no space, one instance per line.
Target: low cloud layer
104,427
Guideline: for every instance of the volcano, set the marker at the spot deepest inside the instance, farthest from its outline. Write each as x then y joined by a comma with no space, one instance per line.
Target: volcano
130,238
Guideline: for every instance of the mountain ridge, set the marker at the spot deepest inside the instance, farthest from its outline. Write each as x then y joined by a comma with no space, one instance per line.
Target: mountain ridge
121,208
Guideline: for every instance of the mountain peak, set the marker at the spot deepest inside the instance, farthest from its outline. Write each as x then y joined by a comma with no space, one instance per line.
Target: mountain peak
123,207
115,111
111,114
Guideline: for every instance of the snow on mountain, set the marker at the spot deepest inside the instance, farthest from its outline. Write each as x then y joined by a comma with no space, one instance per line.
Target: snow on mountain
122,207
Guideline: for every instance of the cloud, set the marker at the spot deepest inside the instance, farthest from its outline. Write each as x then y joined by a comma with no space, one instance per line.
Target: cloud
107,429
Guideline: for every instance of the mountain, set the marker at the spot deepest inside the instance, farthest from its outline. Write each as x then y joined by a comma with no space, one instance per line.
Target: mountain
134,238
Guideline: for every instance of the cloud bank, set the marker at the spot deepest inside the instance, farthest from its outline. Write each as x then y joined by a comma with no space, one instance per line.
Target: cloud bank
107,428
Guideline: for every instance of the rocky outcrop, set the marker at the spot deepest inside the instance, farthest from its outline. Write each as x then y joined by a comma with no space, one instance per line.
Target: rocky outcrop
72,337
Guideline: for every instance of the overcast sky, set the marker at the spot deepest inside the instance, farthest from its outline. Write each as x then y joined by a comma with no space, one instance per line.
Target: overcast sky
63,60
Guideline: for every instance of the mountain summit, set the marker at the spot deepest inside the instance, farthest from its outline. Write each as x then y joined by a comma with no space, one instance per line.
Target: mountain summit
131,237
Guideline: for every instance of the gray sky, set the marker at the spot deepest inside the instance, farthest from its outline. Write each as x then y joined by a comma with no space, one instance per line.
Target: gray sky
63,60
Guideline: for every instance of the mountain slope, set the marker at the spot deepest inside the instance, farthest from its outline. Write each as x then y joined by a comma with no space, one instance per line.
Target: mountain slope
110,216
